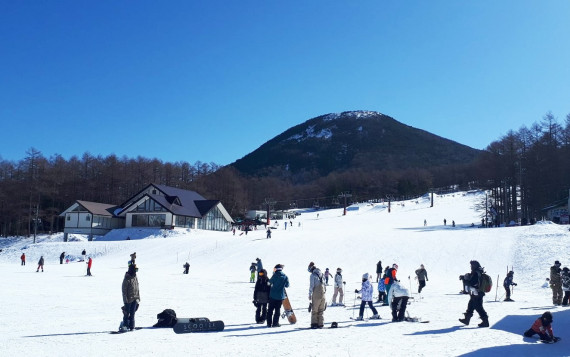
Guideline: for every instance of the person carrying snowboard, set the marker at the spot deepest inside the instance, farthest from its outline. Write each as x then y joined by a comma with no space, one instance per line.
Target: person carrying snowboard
338,288
398,298
40,264
366,291
186,268
61,257
565,286
261,296
556,283
252,270
89,263
317,296
131,298
421,276
507,283
475,295
279,281
23,259
543,328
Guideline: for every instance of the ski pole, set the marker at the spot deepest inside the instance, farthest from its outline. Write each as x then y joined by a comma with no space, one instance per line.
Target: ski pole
497,288
354,305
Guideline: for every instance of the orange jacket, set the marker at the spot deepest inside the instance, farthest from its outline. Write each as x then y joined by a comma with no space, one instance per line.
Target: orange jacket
542,327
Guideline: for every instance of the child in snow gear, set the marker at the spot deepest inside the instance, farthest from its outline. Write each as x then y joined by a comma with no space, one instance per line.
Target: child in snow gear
565,286
543,327
261,296
390,277
421,276
556,283
131,298
381,290
40,264
378,270
507,285
366,291
327,276
252,270
268,233
317,296
338,290
186,267
398,298
23,258
279,281
472,280
89,263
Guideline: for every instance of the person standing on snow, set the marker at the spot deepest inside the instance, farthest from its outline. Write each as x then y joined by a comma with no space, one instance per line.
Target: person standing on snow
89,263
366,291
131,298
556,283
23,258
186,267
261,296
327,276
475,295
338,288
317,296
565,286
83,253
61,257
378,270
252,270
279,281
507,285
40,264
388,280
259,265
398,298
421,276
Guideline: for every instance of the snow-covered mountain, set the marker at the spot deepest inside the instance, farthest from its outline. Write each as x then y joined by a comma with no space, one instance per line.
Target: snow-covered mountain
63,312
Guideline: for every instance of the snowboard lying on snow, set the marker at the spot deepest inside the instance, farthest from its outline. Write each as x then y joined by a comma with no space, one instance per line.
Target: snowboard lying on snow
197,324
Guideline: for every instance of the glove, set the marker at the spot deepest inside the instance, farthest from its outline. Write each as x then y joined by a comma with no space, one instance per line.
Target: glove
356,291
344,282
515,284
461,277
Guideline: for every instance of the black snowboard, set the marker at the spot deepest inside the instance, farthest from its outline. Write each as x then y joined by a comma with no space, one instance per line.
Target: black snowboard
197,324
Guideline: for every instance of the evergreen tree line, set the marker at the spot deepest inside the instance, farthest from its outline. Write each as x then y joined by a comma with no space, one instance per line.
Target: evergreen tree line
524,171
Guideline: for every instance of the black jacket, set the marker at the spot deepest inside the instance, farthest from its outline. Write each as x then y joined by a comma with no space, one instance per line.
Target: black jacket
261,291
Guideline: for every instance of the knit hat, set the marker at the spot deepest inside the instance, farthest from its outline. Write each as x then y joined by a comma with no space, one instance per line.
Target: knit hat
366,276
557,263
279,267
339,270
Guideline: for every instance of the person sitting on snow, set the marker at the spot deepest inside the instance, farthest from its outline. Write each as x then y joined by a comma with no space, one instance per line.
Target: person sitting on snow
543,327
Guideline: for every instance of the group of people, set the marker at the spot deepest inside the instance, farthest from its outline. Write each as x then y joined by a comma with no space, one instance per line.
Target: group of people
41,261
560,284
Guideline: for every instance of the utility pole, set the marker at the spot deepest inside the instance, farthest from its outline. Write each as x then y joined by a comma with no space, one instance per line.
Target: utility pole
36,222
344,195
269,204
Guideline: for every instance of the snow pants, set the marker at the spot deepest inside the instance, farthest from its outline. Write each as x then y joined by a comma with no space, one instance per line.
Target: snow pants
566,297
476,304
421,286
129,314
273,312
363,305
318,300
507,291
556,293
261,312
530,332
337,291
399,305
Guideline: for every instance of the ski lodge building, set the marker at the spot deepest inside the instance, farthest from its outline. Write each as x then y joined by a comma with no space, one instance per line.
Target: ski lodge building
155,206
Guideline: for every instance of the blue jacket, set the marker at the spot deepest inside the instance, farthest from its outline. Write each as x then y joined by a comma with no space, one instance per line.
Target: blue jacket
279,282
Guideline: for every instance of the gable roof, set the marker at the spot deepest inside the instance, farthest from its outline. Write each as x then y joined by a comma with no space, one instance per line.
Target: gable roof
96,208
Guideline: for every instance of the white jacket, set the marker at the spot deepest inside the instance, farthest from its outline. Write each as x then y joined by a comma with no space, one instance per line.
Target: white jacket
397,290
338,280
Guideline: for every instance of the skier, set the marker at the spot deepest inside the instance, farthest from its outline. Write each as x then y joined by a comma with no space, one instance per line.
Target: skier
279,281
543,327
261,296
83,253
186,268
556,283
565,286
388,280
23,258
327,276
398,298
338,290
317,296
507,285
366,290
89,263
61,257
378,270
252,270
475,295
421,276
40,264
131,298
268,233
444,222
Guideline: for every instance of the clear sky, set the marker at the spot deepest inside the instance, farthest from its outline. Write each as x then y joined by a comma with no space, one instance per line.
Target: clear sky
212,80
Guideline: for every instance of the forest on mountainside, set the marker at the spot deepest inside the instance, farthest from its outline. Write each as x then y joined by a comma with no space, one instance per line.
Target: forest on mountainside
524,170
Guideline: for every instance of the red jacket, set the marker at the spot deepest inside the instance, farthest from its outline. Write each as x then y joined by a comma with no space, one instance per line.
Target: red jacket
543,327
89,263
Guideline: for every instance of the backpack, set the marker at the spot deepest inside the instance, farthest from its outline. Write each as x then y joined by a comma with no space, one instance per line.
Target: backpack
166,318
485,283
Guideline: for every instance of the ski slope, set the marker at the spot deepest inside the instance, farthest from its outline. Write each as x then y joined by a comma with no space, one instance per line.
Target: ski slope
63,312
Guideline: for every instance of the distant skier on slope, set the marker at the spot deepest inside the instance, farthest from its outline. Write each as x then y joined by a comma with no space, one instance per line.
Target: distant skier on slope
507,283
421,276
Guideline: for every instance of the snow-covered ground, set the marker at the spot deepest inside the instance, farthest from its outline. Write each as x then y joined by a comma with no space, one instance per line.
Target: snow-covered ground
63,312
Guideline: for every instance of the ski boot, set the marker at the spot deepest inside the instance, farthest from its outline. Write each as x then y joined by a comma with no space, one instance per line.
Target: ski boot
375,317
484,323
359,318
465,320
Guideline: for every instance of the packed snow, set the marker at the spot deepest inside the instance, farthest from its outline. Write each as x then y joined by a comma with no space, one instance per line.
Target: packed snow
61,311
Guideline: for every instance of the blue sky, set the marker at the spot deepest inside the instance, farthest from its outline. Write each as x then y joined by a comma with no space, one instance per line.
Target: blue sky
212,80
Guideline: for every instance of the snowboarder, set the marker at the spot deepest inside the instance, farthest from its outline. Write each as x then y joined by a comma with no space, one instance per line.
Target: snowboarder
565,286
186,267
23,259
398,298
327,276
89,263
61,257
338,288
425,222
261,296
279,281
390,277
40,264
83,253
421,276
475,295
252,270
378,270
543,327
131,298
268,233
366,290
317,296
556,283
507,285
